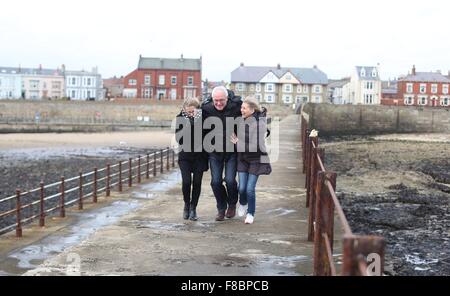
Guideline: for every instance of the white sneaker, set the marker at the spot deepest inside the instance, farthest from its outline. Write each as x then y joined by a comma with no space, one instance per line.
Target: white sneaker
249,219
242,210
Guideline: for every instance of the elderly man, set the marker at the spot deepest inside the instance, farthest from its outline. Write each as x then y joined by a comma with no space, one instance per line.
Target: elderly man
222,106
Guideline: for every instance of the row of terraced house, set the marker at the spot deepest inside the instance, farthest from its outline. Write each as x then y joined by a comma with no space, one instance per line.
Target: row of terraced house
40,83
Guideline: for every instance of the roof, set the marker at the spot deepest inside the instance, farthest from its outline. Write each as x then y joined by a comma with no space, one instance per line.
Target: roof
255,74
426,77
368,71
30,71
170,64
338,83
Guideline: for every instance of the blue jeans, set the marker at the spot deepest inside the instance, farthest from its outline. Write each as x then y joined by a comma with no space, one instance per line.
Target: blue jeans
247,194
224,197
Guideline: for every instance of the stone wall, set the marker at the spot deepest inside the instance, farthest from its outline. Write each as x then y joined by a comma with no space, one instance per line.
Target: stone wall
362,119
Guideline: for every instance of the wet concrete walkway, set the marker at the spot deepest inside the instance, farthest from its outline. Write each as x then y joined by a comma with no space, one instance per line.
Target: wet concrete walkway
141,232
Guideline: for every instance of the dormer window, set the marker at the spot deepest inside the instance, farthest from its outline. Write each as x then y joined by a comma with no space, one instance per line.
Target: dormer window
374,73
363,73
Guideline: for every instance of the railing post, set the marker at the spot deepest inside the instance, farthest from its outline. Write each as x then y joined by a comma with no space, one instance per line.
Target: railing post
147,173
173,158
108,180
307,146
62,213
324,219
41,205
18,216
162,162
139,169
120,176
80,191
310,169
130,173
168,158
316,152
154,164
370,247
94,195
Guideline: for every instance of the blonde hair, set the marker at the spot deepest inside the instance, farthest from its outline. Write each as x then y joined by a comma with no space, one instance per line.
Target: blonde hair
253,103
191,102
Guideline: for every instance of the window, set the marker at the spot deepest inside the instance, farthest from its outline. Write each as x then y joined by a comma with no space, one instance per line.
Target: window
374,73
258,97
74,81
368,99
287,88
445,89
162,79
73,94
298,99
409,100
34,84
269,98
287,99
434,88
56,85
252,87
423,88
305,89
132,82
422,100
88,94
363,73
288,77
240,87
89,81
146,93
173,80
317,99
270,87
409,87
258,87
147,79
190,80
369,85
317,89
445,101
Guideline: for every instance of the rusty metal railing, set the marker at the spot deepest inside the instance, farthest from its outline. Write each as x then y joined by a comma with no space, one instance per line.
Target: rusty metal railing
322,202
46,199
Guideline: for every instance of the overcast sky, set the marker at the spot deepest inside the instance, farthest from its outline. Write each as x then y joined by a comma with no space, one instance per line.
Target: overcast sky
334,35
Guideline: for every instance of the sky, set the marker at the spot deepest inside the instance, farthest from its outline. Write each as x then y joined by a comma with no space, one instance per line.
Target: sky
334,35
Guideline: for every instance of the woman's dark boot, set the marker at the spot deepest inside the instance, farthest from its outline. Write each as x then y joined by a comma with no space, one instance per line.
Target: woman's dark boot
193,214
186,211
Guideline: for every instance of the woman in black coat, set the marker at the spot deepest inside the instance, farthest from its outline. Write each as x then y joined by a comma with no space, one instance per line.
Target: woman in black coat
252,160
192,159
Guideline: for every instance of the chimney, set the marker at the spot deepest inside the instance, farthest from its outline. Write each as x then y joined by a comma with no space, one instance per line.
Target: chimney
20,68
40,67
242,64
438,71
414,70
63,68
278,66
181,57
315,66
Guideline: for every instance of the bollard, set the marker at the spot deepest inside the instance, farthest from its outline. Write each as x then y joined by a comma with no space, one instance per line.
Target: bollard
324,219
147,174
62,213
139,169
108,180
41,205
94,194
130,180
80,192
18,216
120,176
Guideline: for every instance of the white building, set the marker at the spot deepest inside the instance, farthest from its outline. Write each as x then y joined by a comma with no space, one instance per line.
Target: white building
84,85
10,83
364,87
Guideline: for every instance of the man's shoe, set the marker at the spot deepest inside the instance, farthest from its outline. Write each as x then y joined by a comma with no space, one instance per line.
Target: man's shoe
193,214
242,210
249,219
220,216
231,212
186,212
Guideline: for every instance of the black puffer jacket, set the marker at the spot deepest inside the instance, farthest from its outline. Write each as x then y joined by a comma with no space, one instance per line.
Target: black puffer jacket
195,154
231,110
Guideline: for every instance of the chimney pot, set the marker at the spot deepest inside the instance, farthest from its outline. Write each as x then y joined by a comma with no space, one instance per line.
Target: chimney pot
414,70
242,64
278,66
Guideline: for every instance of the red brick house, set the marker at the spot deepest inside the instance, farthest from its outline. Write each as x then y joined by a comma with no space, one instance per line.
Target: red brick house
422,89
162,78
